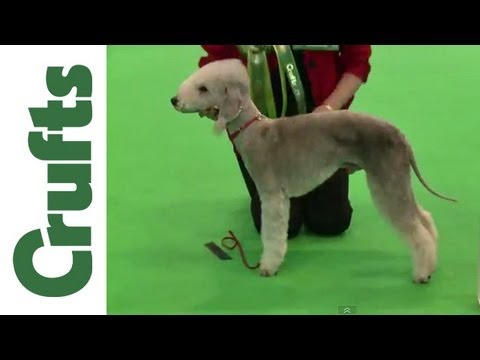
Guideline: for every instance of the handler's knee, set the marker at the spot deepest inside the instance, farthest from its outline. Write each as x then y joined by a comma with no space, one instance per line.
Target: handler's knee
334,226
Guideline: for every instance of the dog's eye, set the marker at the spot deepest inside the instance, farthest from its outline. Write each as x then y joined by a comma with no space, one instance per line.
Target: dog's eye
202,89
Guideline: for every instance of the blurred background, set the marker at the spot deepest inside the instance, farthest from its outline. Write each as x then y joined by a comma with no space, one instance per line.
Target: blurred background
173,186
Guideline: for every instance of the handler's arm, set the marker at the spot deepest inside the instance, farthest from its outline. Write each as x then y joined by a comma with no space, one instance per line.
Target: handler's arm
356,62
218,52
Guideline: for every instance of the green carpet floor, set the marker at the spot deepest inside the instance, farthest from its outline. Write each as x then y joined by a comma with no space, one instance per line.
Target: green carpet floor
173,186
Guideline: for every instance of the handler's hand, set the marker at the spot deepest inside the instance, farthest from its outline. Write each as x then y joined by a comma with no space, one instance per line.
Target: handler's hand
322,108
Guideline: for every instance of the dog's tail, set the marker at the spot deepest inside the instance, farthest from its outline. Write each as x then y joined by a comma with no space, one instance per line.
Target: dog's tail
414,165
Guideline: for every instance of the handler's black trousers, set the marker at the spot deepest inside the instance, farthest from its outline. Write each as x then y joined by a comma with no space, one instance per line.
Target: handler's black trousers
326,210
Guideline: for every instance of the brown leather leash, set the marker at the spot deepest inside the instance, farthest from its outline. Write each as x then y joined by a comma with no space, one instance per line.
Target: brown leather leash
236,243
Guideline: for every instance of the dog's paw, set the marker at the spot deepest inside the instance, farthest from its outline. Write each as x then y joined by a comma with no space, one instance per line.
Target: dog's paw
267,272
269,268
270,263
422,273
421,279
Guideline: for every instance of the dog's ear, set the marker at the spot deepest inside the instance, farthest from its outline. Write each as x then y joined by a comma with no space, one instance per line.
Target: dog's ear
230,108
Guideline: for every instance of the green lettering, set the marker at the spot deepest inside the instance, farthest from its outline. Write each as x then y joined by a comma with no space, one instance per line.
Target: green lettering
79,76
62,235
68,284
55,117
78,174
56,149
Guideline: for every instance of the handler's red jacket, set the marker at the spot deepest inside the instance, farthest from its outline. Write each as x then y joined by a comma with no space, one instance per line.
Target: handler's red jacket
324,68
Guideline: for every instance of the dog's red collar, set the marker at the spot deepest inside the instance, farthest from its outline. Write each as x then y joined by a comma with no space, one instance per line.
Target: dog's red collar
243,127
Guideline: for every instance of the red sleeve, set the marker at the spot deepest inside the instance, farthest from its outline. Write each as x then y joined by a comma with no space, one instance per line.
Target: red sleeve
218,52
356,60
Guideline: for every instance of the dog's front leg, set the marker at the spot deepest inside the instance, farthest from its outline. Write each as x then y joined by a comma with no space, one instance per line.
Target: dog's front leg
274,231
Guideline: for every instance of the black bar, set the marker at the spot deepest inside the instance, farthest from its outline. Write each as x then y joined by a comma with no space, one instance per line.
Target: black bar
222,255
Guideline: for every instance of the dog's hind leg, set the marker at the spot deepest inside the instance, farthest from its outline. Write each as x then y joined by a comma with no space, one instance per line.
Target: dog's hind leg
428,222
424,252
394,198
274,231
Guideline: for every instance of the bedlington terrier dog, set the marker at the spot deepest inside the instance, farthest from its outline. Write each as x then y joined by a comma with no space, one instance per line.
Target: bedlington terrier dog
289,157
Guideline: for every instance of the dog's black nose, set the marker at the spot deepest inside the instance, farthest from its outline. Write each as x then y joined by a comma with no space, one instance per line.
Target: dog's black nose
174,101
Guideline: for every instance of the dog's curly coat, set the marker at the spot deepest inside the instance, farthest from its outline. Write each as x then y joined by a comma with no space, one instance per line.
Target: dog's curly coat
289,157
